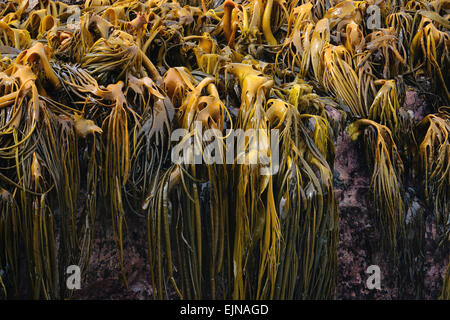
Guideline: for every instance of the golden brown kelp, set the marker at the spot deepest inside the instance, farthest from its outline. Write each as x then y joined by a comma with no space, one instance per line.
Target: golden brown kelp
200,112
159,239
445,291
206,52
355,43
148,180
342,13
39,150
150,138
401,22
434,151
181,185
386,53
307,206
12,37
9,246
256,218
273,16
256,250
430,48
300,94
297,44
320,38
340,78
386,181
92,94
112,59
319,7
24,127
117,157
82,90
411,264
108,106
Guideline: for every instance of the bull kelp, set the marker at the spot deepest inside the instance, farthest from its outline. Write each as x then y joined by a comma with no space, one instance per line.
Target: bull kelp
93,97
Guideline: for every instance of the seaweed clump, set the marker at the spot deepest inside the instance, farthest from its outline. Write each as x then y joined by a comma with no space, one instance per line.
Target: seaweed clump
93,98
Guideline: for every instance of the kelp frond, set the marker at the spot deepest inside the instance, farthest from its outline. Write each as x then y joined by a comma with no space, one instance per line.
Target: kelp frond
434,151
386,181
